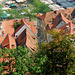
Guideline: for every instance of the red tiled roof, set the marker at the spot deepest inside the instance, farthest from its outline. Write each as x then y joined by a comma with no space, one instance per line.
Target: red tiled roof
71,28
8,27
30,39
30,25
57,19
49,16
8,42
31,43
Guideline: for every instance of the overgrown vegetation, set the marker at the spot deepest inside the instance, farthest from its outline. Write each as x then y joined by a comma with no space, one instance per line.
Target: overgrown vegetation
54,58
16,25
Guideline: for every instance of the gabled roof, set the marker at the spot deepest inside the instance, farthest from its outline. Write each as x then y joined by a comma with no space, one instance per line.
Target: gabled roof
8,27
28,39
60,17
9,42
31,43
70,27
30,25
49,16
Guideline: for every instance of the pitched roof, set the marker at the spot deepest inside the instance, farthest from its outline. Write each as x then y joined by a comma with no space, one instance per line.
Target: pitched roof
60,17
30,25
9,42
31,43
70,28
49,16
8,28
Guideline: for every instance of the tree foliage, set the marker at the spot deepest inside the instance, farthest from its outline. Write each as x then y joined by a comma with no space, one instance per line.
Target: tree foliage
24,61
40,7
60,53
16,25
1,12
54,58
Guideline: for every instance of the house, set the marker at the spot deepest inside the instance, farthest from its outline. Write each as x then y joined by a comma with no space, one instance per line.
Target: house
7,37
24,34
59,20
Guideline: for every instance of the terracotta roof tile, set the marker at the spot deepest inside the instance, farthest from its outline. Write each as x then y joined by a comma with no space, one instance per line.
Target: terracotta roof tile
9,42
8,28
49,16
30,41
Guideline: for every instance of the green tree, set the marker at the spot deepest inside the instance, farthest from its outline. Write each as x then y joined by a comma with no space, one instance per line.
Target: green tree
60,53
24,61
1,12
40,7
